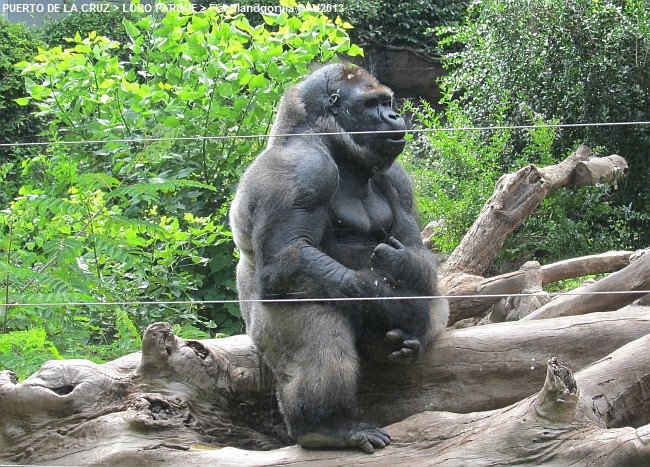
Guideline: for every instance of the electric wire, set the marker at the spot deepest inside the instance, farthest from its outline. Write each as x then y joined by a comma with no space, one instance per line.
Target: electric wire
284,135
494,297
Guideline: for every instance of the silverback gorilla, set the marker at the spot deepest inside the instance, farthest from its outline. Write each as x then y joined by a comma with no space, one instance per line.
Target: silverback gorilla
326,214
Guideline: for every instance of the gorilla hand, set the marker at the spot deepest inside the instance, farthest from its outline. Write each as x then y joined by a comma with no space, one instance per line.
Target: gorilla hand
397,264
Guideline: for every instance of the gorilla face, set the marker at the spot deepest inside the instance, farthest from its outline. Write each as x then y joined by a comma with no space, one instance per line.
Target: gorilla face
369,108
345,98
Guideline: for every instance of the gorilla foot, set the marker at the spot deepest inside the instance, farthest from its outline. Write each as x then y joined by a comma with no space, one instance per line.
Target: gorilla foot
360,436
410,346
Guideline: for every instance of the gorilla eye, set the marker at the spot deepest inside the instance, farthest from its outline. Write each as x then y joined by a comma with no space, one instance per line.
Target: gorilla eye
374,102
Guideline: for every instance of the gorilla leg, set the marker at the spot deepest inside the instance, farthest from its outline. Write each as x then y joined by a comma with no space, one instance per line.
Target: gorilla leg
316,366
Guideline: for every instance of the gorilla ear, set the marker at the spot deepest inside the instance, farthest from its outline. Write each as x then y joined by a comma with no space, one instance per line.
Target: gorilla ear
333,104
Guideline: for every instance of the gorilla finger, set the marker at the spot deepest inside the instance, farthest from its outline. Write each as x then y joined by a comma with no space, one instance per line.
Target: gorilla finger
395,243
384,433
381,250
366,446
378,441
399,357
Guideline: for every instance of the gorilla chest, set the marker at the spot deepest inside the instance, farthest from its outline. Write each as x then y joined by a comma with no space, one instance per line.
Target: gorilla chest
361,219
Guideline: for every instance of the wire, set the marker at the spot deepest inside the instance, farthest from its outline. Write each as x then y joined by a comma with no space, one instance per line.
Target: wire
284,135
320,300
298,300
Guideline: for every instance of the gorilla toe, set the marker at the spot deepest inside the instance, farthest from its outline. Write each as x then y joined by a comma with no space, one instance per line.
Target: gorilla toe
350,435
409,346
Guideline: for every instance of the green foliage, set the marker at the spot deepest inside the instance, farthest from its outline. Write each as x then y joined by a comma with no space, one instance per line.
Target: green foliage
143,217
25,351
453,172
18,125
406,22
108,24
570,62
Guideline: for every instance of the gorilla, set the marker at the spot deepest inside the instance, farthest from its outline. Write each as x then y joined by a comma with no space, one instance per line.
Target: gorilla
325,213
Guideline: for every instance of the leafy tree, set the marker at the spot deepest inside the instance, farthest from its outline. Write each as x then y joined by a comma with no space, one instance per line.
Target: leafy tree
142,217
399,23
572,61
405,22
18,124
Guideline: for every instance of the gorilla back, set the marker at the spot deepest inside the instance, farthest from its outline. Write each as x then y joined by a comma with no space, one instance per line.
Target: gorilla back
326,212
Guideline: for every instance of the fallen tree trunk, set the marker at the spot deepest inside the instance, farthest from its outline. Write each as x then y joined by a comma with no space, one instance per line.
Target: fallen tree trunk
515,197
181,393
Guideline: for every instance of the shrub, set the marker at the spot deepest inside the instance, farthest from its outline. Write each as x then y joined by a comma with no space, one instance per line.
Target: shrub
18,124
570,62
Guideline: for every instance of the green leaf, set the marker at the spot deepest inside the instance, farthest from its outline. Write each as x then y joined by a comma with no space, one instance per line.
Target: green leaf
131,28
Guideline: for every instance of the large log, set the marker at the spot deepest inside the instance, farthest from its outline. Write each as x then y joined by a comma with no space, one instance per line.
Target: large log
179,393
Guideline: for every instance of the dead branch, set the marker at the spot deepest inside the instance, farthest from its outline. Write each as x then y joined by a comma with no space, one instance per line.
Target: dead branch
515,197
609,293
515,282
603,170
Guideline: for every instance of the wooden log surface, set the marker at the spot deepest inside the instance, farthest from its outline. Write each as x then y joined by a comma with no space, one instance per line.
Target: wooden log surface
559,425
179,393
600,170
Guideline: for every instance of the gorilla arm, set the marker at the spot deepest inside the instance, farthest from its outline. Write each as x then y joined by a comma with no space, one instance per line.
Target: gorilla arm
291,263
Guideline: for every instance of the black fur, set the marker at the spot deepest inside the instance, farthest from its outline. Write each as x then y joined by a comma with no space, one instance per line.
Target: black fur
330,216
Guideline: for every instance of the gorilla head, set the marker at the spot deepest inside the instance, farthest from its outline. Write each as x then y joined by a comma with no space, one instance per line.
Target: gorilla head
347,100
325,212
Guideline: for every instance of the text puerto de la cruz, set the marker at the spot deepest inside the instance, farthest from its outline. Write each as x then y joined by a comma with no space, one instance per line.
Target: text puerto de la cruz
164,7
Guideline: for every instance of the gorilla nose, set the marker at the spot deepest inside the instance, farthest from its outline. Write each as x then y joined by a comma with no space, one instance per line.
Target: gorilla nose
396,123
394,116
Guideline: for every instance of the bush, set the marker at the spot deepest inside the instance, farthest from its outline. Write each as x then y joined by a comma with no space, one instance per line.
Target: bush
18,124
400,23
455,172
570,62
406,22
107,24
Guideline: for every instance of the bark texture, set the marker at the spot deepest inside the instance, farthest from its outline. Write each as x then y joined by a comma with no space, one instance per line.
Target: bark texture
214,399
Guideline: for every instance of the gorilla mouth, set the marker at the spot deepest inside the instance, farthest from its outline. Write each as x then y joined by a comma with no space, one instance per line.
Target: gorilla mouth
395,137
